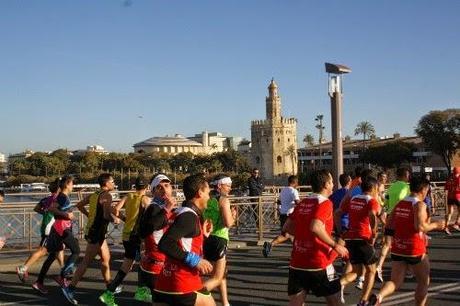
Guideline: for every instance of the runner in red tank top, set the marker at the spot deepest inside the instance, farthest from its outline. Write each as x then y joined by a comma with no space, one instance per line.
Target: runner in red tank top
409,220
179,283
360,237
314,249
453,199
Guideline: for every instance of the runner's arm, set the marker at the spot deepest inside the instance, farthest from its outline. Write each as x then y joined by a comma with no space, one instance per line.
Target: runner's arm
81,205
153,219
420,220
183,227
226,211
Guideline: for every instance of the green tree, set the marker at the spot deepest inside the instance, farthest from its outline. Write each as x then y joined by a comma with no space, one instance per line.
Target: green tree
389,155
440,131
308,140
364,128
291,152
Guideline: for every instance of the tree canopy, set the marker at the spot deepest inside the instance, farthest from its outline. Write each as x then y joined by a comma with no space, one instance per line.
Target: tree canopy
440,131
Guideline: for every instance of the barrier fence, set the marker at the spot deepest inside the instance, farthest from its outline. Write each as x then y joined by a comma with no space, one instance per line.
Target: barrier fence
254,215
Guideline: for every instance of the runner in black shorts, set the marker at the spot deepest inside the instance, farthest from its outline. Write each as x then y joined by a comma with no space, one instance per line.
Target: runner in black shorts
288,198
320,283
99,217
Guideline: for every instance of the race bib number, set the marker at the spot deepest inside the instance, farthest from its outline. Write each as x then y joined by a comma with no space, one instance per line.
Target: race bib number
330,272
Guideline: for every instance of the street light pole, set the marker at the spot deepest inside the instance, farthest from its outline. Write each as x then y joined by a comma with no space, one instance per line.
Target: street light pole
335,93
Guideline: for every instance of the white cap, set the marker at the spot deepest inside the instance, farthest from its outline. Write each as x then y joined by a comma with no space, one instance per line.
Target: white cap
158,179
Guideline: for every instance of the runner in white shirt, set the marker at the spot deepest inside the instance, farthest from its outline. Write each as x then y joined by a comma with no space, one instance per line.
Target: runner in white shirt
289,197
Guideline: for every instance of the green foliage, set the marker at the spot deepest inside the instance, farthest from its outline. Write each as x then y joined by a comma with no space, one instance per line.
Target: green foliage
440,131
389,155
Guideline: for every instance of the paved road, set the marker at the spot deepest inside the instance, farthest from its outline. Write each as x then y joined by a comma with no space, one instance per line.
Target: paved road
253,280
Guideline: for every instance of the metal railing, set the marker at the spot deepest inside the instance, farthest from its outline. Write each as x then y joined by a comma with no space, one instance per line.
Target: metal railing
254,215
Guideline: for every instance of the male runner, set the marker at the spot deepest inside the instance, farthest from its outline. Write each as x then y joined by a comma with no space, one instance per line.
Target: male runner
453,199
99,217
215,246
409,222
314,249
134,203
360,236
179,283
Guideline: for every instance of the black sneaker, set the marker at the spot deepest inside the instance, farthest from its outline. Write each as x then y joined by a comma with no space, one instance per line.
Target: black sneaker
373,300
267,248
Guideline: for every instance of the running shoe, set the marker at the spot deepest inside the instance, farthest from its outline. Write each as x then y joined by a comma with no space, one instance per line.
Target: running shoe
267,248
409,275
362,303
40,288
61,281
22,272
118,290
360,283
69,295
456,227
143,294
380,274
447,231
108,298
374,300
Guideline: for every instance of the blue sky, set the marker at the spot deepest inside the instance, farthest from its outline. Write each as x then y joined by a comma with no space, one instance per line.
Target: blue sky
75,73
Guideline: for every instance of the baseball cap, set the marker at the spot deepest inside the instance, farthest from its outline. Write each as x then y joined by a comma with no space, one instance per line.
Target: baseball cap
141,183
158,179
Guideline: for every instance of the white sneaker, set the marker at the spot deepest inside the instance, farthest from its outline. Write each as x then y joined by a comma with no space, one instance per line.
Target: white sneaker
360,283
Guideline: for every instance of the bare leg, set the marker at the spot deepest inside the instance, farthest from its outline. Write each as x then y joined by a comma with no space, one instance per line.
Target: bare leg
35,256
297,299
369,279
217,276
422,275
398,272
385,250
104,252
223,292
280,239
91,251
60,258
204,300
332,300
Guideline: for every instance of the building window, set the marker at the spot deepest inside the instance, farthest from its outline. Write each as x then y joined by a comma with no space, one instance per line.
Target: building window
289,139
279,140
257,160
279,160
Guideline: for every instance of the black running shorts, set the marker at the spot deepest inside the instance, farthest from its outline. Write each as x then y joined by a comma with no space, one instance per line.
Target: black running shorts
407,259
361,252
320,283
215,248
187,299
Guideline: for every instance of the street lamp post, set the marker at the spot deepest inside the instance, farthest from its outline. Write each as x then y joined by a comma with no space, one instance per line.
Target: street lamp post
335,93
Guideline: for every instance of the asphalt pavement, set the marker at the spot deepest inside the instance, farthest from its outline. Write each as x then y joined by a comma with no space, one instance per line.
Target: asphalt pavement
252,279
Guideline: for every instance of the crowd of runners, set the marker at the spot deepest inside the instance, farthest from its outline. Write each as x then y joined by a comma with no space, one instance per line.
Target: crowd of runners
181,247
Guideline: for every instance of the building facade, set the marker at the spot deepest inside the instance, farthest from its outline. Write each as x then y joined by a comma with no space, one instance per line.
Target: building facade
274,141
423,160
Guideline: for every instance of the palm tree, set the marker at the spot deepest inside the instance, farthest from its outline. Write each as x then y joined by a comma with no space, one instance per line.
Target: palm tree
366,129
308,140
292,153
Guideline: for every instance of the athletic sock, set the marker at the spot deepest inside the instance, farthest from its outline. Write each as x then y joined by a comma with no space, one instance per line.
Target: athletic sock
116,281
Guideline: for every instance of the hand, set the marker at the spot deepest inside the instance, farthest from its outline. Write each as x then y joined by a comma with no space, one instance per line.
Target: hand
341,250
70,215
204,267
170,201
207,228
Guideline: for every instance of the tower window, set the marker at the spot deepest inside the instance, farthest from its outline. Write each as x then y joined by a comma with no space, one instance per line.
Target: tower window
279,160
279,140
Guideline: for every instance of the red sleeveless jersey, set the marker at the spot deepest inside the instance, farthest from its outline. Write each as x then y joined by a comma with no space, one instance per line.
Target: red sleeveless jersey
153,259
308,251
407,240
177,277
358,209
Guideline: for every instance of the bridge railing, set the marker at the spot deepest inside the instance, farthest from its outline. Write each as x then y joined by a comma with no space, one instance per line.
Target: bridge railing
254,215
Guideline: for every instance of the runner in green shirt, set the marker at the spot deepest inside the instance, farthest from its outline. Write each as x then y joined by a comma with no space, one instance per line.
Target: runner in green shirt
215,246
396,192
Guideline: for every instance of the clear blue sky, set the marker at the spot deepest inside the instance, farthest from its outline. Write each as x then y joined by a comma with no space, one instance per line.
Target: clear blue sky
75,73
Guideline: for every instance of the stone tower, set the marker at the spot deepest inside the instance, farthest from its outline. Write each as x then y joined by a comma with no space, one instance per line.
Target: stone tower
274,141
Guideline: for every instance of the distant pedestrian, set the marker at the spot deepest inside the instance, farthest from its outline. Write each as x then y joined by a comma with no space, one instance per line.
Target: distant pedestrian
256,188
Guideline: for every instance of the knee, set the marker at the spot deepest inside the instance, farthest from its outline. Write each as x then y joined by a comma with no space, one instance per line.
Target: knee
371,269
